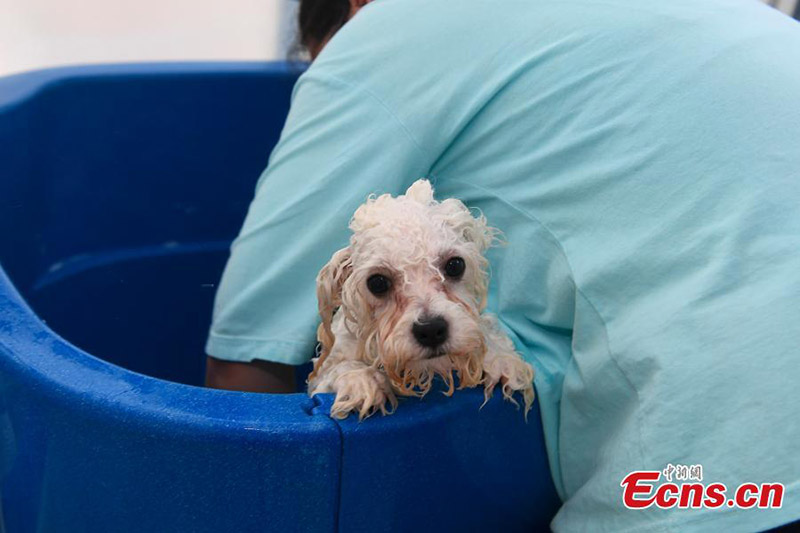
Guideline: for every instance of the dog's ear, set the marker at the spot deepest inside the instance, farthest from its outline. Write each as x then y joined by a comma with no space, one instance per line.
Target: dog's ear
329,297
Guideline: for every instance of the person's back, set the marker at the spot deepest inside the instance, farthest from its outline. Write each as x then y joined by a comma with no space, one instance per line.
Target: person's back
642,160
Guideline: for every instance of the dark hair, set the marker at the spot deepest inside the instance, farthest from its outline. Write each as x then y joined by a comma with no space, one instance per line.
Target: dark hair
318,20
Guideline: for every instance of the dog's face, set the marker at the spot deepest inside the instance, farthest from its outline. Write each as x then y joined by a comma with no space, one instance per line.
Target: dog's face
411,286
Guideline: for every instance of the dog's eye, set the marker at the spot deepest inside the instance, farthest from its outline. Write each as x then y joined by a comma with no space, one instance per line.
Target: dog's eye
454,268
378,284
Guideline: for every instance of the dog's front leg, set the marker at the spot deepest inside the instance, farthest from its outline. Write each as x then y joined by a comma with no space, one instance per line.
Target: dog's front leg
502,364
359,387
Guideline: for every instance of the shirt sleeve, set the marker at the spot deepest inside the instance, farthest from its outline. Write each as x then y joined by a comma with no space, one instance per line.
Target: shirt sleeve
340,143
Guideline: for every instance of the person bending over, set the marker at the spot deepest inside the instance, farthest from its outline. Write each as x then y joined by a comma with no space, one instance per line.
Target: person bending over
642,160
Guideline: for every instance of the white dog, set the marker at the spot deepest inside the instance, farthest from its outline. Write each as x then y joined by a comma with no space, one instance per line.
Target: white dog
403,304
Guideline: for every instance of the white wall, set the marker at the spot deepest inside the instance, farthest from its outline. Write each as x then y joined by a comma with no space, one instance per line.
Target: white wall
41,33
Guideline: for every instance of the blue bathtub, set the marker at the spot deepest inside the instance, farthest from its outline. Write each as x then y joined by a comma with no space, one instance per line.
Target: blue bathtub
121,188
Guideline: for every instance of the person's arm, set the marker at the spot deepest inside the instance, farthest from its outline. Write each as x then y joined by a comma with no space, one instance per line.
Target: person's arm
339,145
255,376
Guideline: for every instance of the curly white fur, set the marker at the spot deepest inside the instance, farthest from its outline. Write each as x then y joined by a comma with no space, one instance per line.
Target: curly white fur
369,354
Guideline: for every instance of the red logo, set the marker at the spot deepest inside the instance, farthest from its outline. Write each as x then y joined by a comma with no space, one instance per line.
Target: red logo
640,490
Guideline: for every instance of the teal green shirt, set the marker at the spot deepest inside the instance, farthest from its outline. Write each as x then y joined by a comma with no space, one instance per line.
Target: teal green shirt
643,161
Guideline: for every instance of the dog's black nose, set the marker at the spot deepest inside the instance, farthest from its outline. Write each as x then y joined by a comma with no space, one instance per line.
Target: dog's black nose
430,332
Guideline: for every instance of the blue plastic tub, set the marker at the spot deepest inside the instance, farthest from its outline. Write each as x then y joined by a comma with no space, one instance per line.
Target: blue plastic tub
121,188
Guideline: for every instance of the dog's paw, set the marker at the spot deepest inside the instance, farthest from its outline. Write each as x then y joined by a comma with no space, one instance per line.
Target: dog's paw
513,374
363,391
